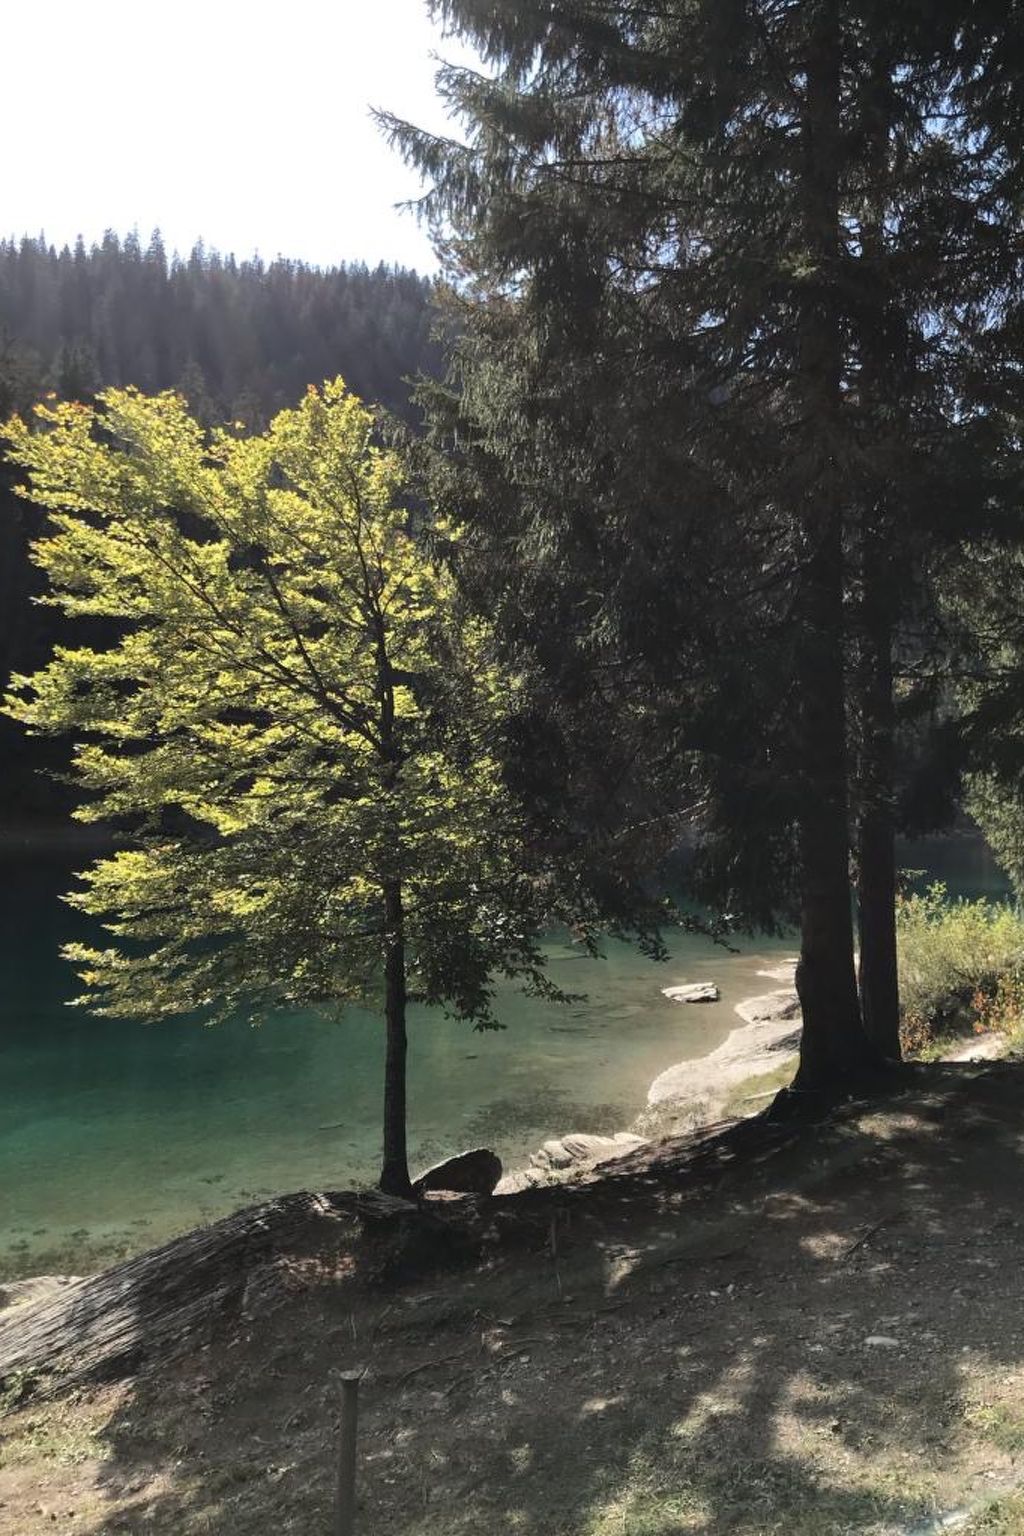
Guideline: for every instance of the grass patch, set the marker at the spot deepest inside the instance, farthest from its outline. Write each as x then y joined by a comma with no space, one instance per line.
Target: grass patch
717,1486
1003,1517
58,1434
999,1425
753,1093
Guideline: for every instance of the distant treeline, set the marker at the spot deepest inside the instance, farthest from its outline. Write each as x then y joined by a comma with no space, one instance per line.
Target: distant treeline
239,339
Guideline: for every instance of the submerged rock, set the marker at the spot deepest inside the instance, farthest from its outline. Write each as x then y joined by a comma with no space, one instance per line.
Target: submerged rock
469,1173
692,992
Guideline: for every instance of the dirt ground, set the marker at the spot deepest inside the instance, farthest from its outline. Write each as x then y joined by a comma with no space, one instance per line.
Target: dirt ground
829,1339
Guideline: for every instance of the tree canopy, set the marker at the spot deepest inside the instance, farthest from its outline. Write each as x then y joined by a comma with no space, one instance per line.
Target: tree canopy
293,724
239,339
734,284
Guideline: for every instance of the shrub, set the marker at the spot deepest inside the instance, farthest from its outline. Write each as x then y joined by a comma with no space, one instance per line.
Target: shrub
961,966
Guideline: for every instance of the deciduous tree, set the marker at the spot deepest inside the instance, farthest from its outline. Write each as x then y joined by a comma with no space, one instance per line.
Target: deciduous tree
295,728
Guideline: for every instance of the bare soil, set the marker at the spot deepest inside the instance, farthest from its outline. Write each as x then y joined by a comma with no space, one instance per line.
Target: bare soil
824,1334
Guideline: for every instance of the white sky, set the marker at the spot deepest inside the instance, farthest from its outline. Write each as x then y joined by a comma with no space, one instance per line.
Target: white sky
244,122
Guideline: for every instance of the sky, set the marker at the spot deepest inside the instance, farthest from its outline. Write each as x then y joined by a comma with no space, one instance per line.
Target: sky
242,122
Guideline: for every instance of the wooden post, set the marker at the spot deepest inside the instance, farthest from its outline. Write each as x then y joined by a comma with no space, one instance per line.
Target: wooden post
346,1521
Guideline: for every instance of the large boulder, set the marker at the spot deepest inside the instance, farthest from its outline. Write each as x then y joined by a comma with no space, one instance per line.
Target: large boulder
470,1173
693,992
771,1008
576,1150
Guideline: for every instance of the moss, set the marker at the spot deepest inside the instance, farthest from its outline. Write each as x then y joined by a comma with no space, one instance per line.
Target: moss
753,1093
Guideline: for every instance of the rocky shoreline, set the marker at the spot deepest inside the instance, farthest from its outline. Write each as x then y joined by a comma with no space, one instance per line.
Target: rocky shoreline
688,1095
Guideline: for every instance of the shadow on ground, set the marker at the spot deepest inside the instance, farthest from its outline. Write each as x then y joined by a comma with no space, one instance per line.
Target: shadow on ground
825,1336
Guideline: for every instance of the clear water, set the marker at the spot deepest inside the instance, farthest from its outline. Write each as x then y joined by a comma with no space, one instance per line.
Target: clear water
116,1135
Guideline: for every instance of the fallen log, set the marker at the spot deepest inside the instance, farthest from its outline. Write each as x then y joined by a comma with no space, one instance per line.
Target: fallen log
161,1302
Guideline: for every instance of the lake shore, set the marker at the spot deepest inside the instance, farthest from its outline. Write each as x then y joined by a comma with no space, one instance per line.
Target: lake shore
768,1037
700,1091
690,1094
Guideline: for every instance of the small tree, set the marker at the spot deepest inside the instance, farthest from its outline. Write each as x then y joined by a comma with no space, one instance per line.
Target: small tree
292,722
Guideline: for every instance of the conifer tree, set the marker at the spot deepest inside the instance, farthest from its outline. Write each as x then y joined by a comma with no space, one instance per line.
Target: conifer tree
770,224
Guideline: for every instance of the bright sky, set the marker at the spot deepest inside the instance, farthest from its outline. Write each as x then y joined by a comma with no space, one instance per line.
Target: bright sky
244,122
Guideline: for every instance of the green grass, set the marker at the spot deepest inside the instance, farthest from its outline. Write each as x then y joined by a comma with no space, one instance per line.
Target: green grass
54,1433
750,1497
998,1425
754,1093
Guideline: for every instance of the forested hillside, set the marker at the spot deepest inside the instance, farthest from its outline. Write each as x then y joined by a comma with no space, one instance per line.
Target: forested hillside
239,339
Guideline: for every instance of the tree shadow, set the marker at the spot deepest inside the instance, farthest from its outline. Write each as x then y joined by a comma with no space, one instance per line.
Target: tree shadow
795,1344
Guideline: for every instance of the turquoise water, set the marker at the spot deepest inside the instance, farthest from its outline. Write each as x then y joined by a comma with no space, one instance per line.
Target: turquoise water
115,1135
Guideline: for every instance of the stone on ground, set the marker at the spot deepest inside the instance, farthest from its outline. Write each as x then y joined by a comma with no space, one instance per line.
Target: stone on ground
469,1173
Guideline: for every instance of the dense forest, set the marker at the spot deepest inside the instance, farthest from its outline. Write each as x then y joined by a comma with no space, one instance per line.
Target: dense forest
741,301
239,339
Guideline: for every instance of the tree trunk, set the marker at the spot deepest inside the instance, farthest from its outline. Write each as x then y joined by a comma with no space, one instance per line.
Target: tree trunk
876,851
394,1177
884,385
834,1048
159,1303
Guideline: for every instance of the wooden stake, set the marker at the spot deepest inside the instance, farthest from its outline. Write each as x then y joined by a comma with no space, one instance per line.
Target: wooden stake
346,1521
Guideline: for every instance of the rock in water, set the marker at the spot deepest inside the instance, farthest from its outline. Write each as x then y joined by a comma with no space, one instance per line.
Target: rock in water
694,992
470,1173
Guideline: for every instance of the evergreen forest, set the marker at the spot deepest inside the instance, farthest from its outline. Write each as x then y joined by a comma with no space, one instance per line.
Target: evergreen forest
240,340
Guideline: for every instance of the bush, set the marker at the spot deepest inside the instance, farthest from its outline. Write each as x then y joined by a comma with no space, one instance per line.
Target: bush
961,967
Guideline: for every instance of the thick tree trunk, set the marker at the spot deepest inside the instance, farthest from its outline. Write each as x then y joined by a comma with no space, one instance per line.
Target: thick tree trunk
883,382
394,1177
834,1048
876,850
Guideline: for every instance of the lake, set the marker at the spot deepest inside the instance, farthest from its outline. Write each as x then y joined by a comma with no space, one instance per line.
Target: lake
116,1135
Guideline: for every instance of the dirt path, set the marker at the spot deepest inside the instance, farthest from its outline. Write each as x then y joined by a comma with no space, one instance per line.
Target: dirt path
829,1341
